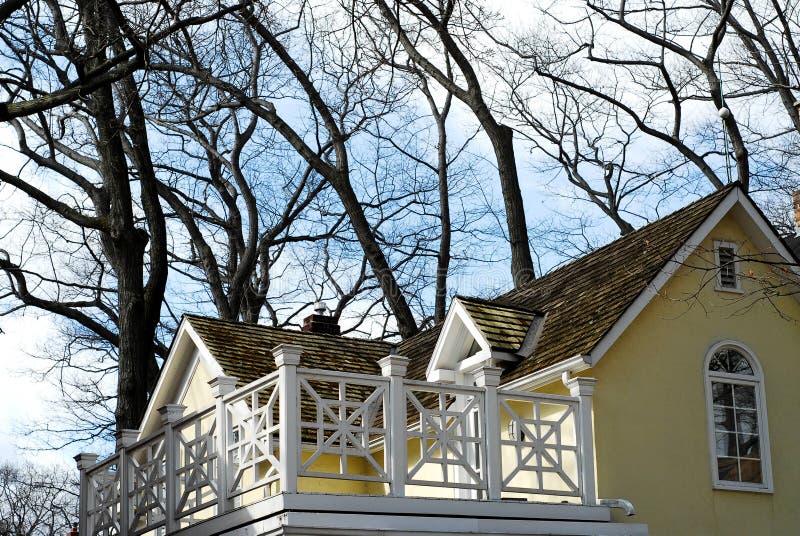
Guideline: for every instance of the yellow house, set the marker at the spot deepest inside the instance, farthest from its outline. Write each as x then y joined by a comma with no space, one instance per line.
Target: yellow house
655,376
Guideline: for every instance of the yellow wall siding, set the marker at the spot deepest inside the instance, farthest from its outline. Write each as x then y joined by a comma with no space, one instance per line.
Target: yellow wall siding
198,392
650,406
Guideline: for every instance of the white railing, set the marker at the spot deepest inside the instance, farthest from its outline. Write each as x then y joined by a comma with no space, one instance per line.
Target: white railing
299,429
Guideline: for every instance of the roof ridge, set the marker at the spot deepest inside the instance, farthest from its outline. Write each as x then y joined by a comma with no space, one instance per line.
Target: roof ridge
326,336
630,236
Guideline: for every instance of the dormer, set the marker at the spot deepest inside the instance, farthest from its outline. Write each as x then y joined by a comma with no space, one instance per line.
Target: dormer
480,333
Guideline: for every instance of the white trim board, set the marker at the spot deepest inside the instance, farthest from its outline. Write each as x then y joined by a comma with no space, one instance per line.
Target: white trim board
734,199
457,324
186,345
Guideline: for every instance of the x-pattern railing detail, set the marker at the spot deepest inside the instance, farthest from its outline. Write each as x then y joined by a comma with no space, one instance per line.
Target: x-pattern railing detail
450,437
147,486
542,436
346,426
195,470
253,441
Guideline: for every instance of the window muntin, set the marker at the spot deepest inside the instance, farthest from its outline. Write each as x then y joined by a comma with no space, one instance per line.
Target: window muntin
726,258
740,453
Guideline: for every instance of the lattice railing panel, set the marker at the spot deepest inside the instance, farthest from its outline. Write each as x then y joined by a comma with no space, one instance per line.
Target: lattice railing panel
104,500
447,425
342,421
196,467
253,439
540,453
147,485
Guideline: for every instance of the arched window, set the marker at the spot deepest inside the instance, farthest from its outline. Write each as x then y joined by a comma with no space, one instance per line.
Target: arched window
737,419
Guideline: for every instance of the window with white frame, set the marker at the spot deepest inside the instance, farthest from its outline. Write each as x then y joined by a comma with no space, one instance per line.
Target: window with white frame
727,263
737,419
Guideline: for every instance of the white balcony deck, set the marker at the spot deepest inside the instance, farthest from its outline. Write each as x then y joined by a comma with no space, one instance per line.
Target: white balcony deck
378,448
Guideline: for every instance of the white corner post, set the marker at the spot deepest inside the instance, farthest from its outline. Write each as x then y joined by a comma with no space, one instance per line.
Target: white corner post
489,379
583,389
125,438
170,414
395,368
221,386
84,461
287,357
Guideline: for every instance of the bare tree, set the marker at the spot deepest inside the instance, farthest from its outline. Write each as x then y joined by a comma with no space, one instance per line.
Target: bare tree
28,92
96,146
421,27
37,500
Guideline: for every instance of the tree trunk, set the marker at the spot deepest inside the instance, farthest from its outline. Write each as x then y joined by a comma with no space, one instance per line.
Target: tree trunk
123,243
443,257
406,324
502,138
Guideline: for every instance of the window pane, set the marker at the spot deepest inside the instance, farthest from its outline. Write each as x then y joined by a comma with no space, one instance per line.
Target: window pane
726,444
723,394
746,421
730,361
745,396
724,419
749,446
728,469
751,471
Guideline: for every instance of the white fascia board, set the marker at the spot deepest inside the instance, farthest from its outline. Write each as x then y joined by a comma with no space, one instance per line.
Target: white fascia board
766,230
205,355
457,314
550,374
736,198
343,515
184,335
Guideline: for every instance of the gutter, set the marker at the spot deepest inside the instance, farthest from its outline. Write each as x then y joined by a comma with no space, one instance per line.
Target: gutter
550,374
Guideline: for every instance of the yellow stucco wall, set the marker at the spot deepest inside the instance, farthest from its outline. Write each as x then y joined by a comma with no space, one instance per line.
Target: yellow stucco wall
198,392
650,409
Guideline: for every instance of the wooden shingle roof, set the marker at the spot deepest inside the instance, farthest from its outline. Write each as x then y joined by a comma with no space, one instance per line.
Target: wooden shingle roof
585,298
582,300
245,350
504,326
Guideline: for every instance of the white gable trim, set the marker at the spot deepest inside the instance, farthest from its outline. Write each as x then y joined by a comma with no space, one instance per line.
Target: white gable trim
765,228
734,198
183,336
441,359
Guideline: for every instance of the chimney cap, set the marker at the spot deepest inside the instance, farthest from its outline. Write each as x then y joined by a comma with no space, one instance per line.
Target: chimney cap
320,308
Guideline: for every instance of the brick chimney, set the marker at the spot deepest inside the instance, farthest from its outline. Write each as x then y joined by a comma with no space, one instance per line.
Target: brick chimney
321,321
796,207
74,531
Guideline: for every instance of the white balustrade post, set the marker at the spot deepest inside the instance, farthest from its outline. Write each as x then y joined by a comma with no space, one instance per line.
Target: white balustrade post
221,386
489,379
170,413
395,454
287,357
84,461
125,438
583,388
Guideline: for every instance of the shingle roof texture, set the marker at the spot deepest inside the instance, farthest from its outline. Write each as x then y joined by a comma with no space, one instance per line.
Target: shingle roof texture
582,300
503,326
245,350
585,298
